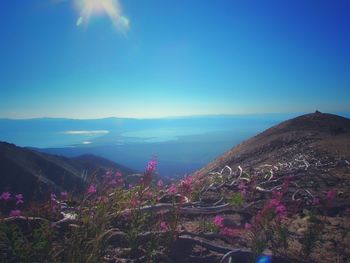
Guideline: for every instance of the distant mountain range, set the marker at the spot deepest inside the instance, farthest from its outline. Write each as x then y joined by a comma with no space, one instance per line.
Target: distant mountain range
35,174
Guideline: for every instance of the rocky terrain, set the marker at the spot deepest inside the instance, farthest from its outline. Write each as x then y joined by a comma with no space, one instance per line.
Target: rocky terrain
313,152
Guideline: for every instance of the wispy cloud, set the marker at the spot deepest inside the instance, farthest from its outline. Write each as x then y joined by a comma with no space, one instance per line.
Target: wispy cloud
110,8
95,132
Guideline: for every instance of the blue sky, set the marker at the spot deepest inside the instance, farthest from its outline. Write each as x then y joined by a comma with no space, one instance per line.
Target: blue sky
160,58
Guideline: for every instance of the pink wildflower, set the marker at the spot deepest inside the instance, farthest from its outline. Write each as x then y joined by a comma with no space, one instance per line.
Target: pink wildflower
19,199
330,195
281,209
5,196
53,197
218,221
247,226
152,165
172,189
118,174
164,226
15,212
54,203
149,194
160,184
274,202
186,184
229,232
113,182
91,189
134,202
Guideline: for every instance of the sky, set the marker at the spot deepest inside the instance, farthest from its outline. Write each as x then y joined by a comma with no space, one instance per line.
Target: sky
160,58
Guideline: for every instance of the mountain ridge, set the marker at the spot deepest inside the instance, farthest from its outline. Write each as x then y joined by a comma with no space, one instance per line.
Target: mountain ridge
36,173
319,130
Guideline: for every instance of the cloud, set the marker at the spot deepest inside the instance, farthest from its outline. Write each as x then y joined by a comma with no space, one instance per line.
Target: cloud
96,132
110,8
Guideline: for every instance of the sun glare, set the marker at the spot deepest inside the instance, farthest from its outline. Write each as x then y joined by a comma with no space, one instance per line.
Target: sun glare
111,8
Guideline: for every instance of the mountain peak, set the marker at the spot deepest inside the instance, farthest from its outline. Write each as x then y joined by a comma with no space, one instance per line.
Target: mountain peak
307,134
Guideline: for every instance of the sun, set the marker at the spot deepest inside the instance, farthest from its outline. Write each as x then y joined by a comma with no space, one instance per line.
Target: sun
110,8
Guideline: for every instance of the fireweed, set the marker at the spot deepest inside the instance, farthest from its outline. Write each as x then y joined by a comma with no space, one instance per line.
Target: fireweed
267,228
110,205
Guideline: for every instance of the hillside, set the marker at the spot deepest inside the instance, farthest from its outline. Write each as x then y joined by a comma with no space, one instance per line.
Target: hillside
35,173
304,136
314,148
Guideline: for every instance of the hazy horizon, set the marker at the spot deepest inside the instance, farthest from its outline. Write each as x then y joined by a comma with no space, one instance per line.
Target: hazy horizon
344,114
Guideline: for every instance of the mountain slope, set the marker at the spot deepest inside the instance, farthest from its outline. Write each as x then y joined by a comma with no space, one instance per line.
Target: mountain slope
35,174
320,131
313,148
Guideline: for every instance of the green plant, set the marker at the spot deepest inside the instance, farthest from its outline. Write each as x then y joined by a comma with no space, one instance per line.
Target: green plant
17,245
207,226
312,235
236,199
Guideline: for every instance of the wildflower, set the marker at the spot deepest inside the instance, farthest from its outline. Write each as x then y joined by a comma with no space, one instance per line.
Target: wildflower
19,199
117,180
186,184
149,194
91,189
218,221
15,212
274,202
53,197
164,226
160,184
54,203
247,226
152,165
281,209
5,196
330,195
172,189
229,232
134,202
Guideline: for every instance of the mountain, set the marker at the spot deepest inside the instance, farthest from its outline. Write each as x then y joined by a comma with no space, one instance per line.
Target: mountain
34,173
313,148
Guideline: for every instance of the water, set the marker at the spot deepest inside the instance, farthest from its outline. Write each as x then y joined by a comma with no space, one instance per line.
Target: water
181,145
